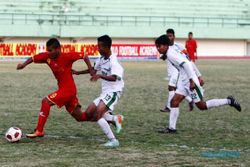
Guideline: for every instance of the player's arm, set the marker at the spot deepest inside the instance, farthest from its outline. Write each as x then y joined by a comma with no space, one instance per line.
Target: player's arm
107,78
198,74
187,66
116,73
82,72
39,58
90,70
24,64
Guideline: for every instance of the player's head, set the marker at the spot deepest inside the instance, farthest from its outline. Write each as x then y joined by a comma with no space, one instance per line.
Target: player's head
162,43
190,35
53,47
104,45
171,35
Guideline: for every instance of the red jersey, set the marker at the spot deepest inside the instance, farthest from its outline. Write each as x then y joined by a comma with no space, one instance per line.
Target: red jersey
191,48
61,68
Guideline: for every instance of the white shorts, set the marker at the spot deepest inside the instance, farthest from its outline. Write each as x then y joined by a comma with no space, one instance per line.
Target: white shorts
110,99
184,89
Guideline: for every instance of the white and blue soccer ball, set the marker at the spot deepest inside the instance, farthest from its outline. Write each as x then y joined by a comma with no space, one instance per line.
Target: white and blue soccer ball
13,134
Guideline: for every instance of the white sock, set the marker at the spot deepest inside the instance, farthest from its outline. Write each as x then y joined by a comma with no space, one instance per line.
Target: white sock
189,99
217,102
173,117
109,117
170,96
106,128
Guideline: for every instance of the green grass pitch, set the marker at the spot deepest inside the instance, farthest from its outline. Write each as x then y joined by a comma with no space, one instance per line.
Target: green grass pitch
69,143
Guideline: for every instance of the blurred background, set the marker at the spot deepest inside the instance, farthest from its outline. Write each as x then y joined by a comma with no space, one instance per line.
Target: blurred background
221,28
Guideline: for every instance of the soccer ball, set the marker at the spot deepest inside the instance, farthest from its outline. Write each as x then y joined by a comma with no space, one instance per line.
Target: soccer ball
13,134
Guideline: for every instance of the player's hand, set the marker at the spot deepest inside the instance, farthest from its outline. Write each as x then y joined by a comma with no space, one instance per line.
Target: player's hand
95,78
192,85
75,72
20,66
201,81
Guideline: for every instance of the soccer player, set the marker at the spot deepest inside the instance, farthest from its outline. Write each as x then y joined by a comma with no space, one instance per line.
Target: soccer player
112,86
191,46
66,95
188,84
173,73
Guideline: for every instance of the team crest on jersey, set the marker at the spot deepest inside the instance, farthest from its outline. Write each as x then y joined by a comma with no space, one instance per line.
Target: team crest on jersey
53,95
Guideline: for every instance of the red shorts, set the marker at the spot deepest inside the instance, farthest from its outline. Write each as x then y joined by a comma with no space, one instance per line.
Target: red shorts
63,98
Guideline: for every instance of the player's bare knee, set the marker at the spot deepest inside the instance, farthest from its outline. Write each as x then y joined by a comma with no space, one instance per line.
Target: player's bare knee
201,105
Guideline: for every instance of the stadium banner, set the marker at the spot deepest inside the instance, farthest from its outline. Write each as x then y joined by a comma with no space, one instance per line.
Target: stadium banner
126,51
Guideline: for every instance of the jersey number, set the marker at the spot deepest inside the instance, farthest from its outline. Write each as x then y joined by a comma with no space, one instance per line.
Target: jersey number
107,98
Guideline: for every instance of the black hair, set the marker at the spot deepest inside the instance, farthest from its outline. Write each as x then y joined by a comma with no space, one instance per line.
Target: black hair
162,40
190,33
171,31
106,40
53,42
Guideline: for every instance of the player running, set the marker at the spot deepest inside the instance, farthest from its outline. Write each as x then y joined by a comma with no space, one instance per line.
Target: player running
66,95
188,84
112,86
173,73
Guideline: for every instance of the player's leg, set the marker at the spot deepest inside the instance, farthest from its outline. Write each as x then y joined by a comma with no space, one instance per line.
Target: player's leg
171,92
174,113
197,96
81,116
190,103
100,111
111,99
43,116
173,79
230,100
114,119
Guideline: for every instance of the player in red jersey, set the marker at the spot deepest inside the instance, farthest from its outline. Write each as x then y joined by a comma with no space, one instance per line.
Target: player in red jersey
66,95
191,47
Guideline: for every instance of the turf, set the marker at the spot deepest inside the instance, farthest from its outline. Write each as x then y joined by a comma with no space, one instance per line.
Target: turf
70,143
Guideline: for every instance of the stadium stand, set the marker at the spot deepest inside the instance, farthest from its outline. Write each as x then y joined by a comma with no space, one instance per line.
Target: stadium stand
122,18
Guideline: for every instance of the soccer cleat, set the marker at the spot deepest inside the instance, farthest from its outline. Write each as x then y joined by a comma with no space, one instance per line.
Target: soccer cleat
168,130
234,103
118,123
35,134
166,109
112,143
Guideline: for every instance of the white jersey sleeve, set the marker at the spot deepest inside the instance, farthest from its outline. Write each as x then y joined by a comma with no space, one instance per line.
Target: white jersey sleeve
174,58
197,72
180,62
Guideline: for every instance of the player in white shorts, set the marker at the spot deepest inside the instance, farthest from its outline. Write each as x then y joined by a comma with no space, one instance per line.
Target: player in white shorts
188,84
173,73
108,69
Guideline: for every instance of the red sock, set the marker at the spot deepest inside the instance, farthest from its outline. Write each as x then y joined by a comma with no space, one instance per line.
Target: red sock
44,113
